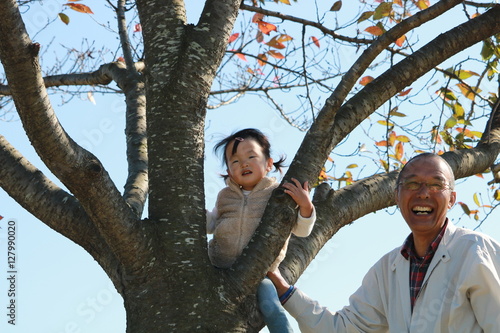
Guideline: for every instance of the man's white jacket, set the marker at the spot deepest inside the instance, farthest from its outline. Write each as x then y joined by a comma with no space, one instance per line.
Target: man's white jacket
460,293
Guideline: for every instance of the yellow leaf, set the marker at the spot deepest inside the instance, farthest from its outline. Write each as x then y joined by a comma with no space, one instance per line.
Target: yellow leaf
403,138
385,123
399,42
352,166
286,2
468,91
497,195
476,200
284,38
274,43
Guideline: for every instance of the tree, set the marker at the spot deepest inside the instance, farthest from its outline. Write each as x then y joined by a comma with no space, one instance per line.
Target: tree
159,264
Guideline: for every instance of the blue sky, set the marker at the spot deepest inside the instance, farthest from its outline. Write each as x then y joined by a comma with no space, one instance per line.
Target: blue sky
62,289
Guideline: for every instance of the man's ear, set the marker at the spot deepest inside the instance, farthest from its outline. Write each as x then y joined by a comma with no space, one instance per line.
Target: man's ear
453,199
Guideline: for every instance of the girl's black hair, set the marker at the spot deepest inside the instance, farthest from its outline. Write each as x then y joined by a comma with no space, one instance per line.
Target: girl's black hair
241,136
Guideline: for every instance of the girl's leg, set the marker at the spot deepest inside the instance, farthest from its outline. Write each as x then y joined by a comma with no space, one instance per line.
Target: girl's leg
271,309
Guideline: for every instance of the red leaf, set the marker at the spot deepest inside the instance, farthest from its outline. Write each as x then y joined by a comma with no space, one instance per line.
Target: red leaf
137,27
79,8
365,80
1,217
400,41
406,92
241,56
266,28
120,59
374,30
233,37
315,41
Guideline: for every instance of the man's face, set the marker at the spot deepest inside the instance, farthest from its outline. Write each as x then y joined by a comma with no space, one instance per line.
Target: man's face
424,206
248,165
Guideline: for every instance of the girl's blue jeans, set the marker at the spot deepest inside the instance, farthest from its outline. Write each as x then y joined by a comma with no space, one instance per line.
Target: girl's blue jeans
271,308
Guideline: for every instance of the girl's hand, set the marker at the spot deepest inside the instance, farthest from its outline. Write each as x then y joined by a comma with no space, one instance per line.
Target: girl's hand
300,194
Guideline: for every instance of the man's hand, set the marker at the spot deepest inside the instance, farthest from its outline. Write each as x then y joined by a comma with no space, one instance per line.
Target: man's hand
279,281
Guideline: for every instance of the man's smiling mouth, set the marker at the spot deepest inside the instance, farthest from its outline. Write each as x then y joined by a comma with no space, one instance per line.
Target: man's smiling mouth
420,210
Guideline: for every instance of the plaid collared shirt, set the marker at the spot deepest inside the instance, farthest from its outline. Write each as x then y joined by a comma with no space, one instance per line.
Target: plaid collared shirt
419,265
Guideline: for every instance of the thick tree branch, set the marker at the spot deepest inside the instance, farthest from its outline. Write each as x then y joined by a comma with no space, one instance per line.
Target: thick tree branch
79,170
49,203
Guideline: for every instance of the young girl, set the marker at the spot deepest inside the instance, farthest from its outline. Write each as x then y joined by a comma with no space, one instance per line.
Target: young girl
240,206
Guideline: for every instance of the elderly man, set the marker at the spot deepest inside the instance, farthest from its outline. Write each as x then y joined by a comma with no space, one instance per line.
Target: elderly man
443,278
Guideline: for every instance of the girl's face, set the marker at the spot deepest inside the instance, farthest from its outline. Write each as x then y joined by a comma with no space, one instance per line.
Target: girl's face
248,165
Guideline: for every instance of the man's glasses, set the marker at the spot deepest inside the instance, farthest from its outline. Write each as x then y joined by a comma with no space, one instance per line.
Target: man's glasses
432,187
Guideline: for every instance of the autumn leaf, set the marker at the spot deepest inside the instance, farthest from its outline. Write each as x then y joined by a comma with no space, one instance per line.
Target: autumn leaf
398,2
406,92
382,143
257,17
315,41
400,41
374,30
465,74
352,166
275,43
336,6
64,18
286,2
79,8
121,59
496,196
403,138
423,4
465,208
385,123
276,54
365,80
476,200
1,217
392,138
241,56
137,27
262,59
399,151
284,38
260,37
266,28
385,165
233,37
467,91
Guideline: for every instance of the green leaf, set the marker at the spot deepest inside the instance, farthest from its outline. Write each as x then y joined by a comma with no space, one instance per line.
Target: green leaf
383,10
465,208
487,51
452,121
465,74
365,16
64,18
